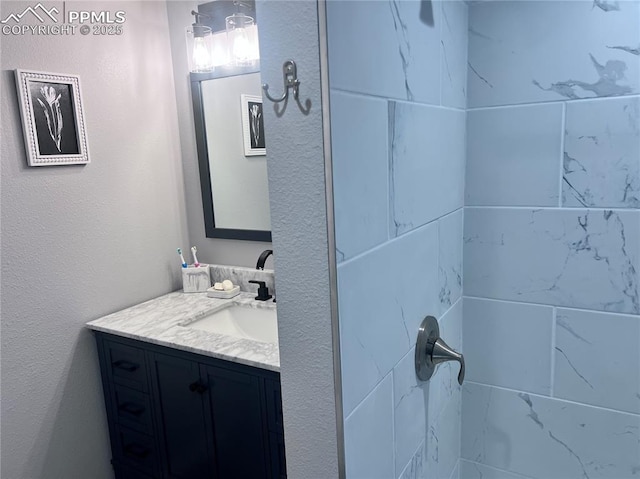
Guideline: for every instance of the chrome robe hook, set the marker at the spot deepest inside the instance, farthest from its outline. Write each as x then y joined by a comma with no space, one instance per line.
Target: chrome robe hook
290,77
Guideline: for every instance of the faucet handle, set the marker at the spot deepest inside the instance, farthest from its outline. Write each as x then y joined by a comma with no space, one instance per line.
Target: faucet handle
441,352
263,290
431,350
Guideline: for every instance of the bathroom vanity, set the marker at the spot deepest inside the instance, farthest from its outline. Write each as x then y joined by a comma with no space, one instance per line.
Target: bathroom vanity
184,402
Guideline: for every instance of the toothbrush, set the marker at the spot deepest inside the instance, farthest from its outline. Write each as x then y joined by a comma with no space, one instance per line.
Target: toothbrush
195,258
184,263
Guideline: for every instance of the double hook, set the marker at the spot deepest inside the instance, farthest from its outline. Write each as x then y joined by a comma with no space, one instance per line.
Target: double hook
290,76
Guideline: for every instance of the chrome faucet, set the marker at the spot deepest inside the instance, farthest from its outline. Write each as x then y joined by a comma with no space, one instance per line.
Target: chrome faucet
263,258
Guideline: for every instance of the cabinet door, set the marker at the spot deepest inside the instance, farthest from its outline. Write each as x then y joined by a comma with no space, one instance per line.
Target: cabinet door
180,407
236,410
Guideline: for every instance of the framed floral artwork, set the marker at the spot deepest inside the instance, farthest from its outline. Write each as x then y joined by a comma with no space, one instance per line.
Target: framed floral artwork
52,118
253,125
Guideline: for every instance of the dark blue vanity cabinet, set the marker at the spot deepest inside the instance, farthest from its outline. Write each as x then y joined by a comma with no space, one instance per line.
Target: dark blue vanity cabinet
177,415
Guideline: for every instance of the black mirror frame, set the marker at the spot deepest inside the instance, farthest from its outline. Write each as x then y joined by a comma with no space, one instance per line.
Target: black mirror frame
210,229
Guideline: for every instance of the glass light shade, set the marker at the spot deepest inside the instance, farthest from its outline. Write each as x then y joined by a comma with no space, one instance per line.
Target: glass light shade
199,49
242,36
220,49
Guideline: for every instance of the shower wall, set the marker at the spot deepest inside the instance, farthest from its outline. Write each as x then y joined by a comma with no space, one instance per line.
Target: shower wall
398,78
551,325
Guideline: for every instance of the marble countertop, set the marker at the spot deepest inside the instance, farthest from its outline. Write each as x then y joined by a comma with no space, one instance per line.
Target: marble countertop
157,321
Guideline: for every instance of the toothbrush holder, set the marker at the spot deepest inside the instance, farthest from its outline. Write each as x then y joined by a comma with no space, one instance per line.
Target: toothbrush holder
196,280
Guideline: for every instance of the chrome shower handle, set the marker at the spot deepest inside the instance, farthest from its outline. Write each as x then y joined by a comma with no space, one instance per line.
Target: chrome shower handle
431,350
441,352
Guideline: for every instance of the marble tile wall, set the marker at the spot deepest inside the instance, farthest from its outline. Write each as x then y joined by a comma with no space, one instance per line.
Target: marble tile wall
398,78
542,437
601,161
507,144
551,326
530,51
579,258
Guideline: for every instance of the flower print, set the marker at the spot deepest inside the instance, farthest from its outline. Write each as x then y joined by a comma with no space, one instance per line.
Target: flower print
52,113
256,115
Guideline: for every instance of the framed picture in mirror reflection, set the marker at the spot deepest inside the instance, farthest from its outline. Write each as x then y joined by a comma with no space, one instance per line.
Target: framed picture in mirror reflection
253,125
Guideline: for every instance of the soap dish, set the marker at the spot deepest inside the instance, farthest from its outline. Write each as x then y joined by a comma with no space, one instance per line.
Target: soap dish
216,293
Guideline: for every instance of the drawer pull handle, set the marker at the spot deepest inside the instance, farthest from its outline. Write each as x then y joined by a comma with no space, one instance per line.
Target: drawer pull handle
126,365
197,387
131,408
136,450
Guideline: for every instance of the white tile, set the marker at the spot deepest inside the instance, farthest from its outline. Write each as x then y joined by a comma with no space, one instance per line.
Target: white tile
443,440
602,153
508,344
473,470
514,156
598,359
411,400
360,172
456,471
531,51
547,438
577,258
417,466
450,234
426,164
407,51
368,435
453,54
383,297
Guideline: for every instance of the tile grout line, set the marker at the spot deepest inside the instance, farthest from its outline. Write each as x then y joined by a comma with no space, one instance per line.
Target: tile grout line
397,99
368,395
455,466
615,209
555,399
413,456
563,126
549,102
515,474
439,303
393,421
389,154
547,305
440,56
377,247
552,380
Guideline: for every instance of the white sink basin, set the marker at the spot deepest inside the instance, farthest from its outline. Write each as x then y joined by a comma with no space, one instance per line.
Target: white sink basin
257,324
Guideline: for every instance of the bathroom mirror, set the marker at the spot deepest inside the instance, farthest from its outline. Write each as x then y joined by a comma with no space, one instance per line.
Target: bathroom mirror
227,106
233,166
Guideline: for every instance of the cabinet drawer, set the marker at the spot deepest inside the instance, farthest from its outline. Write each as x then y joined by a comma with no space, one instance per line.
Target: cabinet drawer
126,366
135,450
274,406
126,472
132,409
278,460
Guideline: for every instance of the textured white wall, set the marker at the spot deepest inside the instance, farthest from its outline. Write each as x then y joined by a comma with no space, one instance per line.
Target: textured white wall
79,242
299,221
210,250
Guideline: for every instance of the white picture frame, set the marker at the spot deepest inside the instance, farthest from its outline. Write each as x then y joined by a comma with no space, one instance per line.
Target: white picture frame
253,125
52,118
